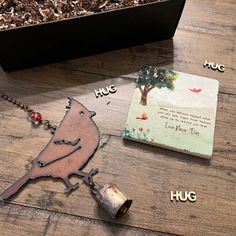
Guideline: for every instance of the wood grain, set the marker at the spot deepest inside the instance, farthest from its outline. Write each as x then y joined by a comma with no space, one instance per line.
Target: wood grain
211,17
187,52
146,173
23,220
156,171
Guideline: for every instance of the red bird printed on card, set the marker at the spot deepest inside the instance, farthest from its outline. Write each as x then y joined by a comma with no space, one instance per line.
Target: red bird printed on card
194,90
142,117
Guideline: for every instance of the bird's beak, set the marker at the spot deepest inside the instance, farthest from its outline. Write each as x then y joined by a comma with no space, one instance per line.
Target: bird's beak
92,113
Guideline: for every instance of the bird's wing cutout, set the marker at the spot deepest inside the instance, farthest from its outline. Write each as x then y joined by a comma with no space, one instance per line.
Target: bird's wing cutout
62,148
64,141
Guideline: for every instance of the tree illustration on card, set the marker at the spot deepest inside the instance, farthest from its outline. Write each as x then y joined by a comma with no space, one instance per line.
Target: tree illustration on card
151,77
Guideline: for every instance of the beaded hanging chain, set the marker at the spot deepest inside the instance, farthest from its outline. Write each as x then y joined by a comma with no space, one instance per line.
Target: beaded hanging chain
35,117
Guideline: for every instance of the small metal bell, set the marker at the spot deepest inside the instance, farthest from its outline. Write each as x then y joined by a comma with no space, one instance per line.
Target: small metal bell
113,201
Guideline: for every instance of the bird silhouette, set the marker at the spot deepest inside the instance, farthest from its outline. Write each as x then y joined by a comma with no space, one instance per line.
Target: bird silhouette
142,117
194,90
73,143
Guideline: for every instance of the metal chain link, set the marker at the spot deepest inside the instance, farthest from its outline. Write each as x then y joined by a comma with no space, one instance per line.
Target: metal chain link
46,123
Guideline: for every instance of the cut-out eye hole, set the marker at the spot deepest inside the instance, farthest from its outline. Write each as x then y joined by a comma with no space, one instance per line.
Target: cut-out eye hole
81,113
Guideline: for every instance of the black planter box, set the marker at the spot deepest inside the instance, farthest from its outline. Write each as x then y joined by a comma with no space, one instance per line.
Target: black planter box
55,41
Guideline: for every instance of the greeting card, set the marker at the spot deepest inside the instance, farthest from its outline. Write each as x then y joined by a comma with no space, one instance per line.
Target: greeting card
174,110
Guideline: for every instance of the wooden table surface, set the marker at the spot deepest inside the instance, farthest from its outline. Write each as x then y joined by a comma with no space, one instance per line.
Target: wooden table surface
148,174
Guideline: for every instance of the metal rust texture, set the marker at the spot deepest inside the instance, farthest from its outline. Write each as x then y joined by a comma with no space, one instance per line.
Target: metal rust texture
73,143
112,200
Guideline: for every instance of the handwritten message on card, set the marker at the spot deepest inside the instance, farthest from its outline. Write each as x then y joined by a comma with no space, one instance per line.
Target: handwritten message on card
179,121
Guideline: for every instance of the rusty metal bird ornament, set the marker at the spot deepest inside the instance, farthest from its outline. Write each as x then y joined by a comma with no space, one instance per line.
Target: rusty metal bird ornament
73,143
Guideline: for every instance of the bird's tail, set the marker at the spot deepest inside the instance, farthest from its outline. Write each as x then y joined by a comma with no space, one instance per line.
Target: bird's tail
15,187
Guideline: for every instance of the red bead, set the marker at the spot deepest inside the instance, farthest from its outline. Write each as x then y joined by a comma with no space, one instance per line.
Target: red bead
36,116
